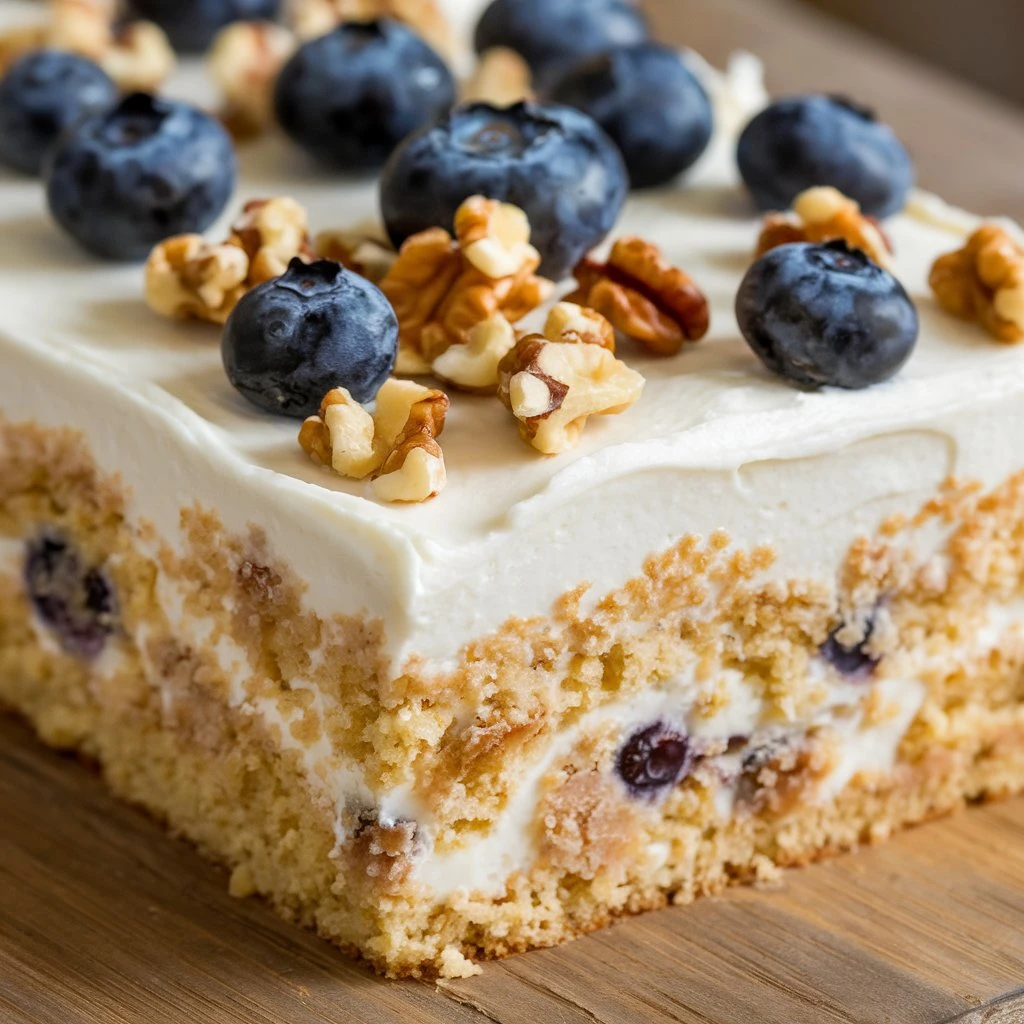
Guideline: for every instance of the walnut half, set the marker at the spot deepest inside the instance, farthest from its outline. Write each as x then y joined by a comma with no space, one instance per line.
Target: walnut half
397,446
644,297
984,282
553,387
824,214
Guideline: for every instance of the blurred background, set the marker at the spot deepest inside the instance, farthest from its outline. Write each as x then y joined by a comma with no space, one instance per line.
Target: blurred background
978,39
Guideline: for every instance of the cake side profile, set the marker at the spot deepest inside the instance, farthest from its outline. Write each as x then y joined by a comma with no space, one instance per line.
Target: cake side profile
738,627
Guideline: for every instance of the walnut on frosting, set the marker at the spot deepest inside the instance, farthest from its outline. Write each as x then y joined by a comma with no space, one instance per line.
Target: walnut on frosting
312,18
441,287
473,367
824,214
137,55
188,278
572,323
553,387
363,249
984,282
244,61
644,297
396,447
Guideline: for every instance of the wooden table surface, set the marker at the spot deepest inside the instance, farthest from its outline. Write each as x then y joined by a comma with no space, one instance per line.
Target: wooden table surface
103,920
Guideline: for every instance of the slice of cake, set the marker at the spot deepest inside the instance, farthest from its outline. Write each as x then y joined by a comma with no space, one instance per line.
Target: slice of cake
583,620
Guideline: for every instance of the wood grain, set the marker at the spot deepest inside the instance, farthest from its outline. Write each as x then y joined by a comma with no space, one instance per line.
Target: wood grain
103,920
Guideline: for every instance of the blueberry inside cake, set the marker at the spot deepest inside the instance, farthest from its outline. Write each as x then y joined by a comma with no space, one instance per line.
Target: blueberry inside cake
475,495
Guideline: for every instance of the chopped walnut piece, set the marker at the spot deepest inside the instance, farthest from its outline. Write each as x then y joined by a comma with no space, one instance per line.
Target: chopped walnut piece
397,446
494,237
572,323
272,232
552,388
824,214
473,366
244,61
136,55
984,282
440,294
644,296
501,78
312,18
186,278
364,249
140,57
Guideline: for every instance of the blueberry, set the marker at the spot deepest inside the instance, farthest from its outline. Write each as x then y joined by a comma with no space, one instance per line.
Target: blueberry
653,759
650,104
821,315
41,96
317,327
854,662
351,96
552,34
74,600
192,24
554,162
804,141
123,181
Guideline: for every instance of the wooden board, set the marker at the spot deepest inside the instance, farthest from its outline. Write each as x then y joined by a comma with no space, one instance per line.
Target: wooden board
103,920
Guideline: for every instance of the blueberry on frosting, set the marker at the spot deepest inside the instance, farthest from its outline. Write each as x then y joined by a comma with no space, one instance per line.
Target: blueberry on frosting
649,102
122,181
553,162
654,759
351,96
552,34
826,315
41,96
74,600
192,24
804,141
317,327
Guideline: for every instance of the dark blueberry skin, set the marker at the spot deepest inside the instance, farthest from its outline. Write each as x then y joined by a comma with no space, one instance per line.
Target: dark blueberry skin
74,600
649,102
853,662
192,24
551,161
123,181
653,760
825,315
804,141
317,327
551,35
41,96
351,96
